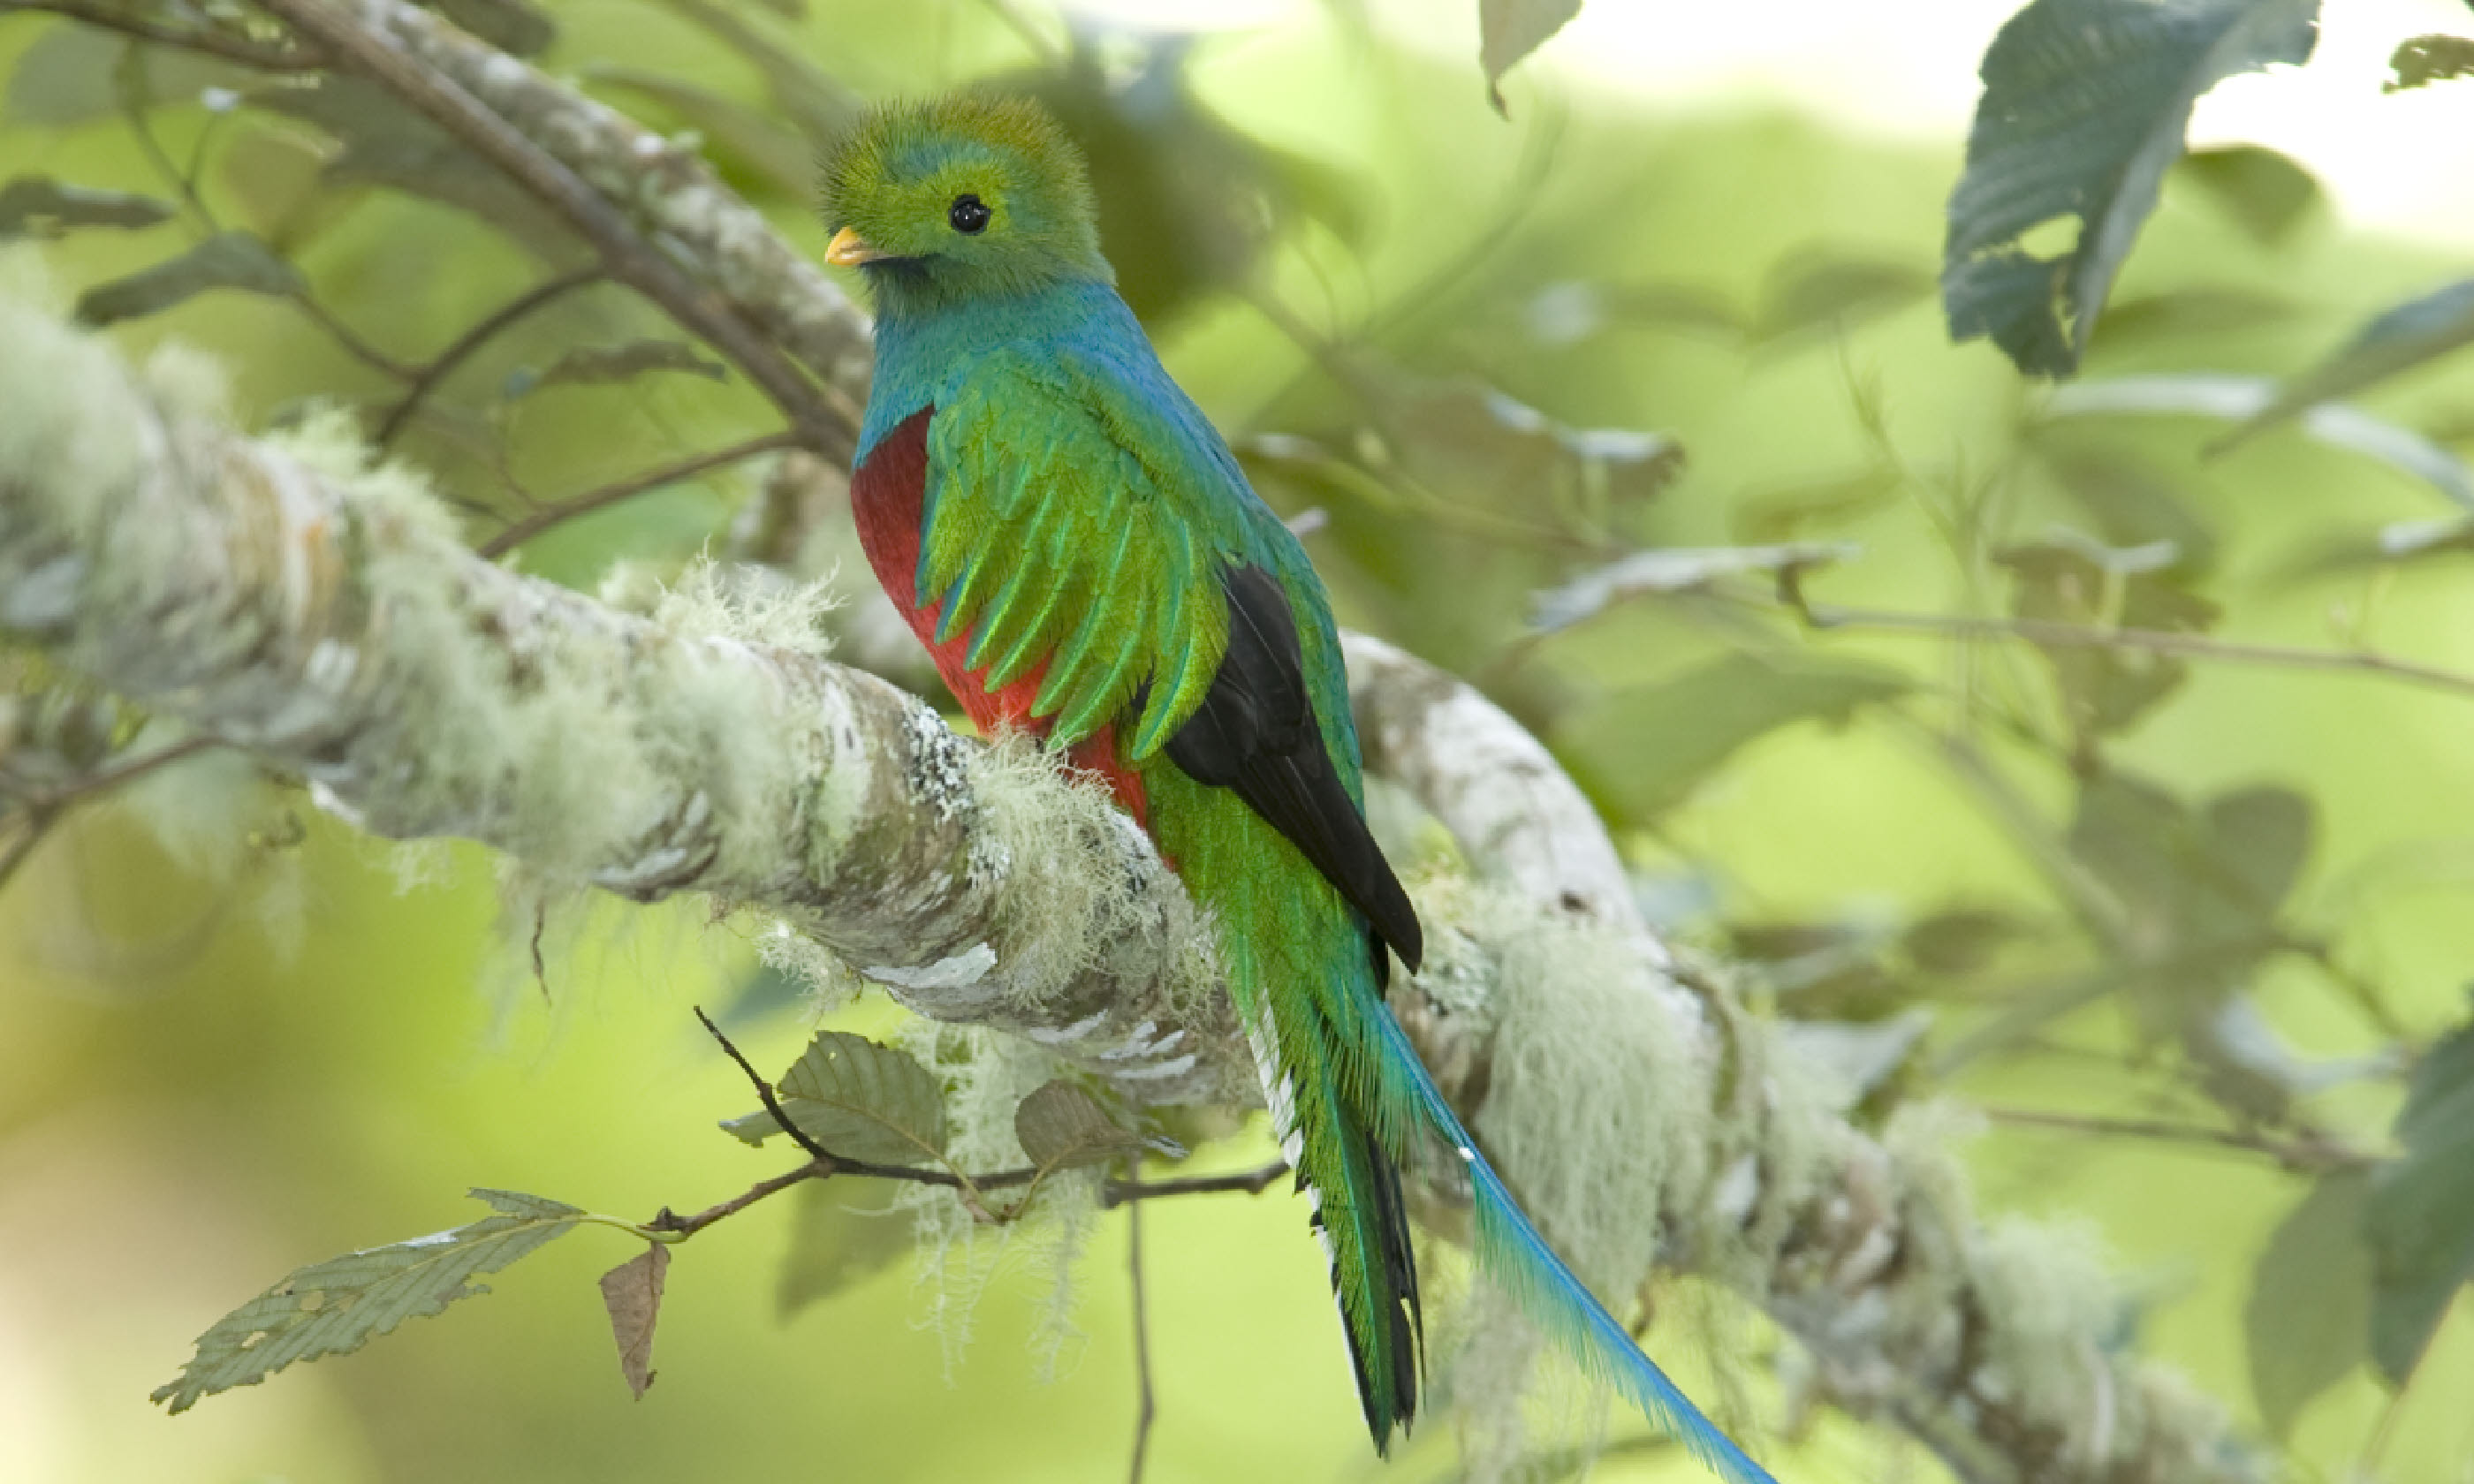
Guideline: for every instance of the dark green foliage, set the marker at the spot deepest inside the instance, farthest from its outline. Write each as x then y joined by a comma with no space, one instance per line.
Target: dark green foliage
2308,1321
2084,107
865,1101
842,1231
1061,1126
338,1306
2422,61
2422,1213
38,205
2412,334
1640,751
226,260
2265,191
2080,583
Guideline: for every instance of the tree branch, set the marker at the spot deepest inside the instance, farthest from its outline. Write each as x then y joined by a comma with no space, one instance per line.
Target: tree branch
537,521
378,38
736,255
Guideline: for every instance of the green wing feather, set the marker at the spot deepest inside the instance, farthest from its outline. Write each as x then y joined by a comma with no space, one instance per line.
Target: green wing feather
1051,534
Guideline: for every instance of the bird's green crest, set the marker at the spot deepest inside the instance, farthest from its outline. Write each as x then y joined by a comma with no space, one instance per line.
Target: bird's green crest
897,181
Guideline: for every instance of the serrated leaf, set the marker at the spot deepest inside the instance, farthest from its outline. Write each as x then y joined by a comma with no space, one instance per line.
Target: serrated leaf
2421,61
2085,105
338,1306
2307,1318
1062,1126
510,25
41,206
2239,399
1672,569
864,1101
604,365
1508,31
2420,330
632,1294
2265,192
226,260
842,1231
1642,749
2423,1208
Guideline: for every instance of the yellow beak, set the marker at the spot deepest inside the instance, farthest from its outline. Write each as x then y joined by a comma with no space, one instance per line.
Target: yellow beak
849,250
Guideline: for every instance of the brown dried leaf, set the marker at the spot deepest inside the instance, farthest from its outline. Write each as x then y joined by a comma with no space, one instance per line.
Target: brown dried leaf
632,1293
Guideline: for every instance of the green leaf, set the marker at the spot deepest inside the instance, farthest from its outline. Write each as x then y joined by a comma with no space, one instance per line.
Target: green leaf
1062,1126
2421,61
67,77
2423,1208
2073,580
604,365
2200,309
2399,338
818,104
1510,30
1673,569
2308,1319
1642,749
2239,398
510,25
226,260
864,1101
2128,502
38,205
338,1306
2085,106
842,1231
1779,514
386,143
2264,192
632,1294
1809,291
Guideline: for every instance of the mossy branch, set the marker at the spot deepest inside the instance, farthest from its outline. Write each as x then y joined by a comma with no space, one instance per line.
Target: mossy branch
280,596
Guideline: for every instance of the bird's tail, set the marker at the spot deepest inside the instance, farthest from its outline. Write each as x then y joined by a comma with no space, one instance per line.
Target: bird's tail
1510,1252
1358,1212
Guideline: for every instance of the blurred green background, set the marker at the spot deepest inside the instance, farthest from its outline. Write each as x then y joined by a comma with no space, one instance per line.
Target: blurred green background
241,1038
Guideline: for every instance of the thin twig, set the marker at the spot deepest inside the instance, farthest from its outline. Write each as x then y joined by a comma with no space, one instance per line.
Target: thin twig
2156,641
686,1227
354,344
2313,1153
549,516
1144,1406
629,257
295,58
1254,1182
472,340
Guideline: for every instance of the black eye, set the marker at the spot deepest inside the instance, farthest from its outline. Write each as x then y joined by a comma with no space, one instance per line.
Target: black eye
969,215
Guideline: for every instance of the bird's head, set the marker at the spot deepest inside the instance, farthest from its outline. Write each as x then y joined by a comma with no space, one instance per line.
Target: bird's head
960,199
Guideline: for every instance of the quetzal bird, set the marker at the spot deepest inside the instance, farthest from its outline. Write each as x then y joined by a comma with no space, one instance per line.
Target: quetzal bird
1082,555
